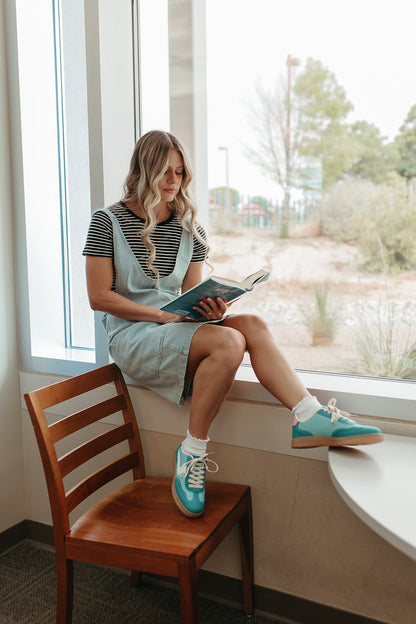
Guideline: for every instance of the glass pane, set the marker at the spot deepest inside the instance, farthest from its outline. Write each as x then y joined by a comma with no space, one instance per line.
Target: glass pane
75,165
41,179
312,165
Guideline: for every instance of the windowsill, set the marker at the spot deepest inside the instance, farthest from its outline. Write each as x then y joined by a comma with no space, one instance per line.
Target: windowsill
393,399
250,415
376,482
55,352
65,362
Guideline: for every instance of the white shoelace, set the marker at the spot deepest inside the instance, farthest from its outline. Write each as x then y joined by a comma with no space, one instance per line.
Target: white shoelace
336,413
195,469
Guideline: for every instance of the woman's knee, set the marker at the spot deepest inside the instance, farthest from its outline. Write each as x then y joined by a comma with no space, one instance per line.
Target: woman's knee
226,344
229,346
247,324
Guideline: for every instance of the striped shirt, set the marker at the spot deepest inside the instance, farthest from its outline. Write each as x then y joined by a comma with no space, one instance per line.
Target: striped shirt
166,237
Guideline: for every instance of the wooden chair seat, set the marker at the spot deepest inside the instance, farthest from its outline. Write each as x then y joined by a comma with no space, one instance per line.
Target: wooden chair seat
138,526
141,521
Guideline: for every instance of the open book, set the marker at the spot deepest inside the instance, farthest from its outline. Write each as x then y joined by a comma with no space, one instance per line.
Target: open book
213,287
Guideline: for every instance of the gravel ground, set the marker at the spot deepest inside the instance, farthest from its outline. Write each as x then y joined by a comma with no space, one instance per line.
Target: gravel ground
373,301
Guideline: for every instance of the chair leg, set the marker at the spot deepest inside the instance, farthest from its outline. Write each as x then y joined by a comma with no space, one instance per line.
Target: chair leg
247,557
135,578
188,591
64,590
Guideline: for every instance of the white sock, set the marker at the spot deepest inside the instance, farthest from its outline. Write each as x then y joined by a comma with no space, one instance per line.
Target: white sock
194,446
306,408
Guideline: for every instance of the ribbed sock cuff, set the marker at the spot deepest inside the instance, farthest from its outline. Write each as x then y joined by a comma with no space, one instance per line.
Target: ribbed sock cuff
194,446
306,408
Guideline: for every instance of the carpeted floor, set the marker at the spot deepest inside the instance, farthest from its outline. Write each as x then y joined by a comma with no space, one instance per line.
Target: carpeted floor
101,595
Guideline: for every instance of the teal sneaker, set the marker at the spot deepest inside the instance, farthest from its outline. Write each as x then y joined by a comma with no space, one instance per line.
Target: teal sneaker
188,484
332,427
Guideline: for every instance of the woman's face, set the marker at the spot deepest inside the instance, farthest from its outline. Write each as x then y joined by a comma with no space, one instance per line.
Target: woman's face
171,181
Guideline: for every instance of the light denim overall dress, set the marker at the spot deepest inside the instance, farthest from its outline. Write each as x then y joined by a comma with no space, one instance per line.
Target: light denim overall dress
153,354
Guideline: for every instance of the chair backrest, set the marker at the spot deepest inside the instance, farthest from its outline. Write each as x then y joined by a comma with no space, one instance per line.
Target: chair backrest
57,468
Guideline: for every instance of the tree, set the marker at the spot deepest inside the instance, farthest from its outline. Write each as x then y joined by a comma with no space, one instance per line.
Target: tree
276,150
375,158
322,111
219,195
406,146
295,125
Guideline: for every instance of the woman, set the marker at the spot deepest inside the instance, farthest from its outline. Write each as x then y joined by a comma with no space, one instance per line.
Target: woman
140,254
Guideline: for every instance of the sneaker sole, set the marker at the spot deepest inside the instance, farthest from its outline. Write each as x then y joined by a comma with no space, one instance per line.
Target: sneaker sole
178,503
314,441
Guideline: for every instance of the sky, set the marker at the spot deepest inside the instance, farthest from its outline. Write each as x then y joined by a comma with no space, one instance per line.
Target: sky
369,45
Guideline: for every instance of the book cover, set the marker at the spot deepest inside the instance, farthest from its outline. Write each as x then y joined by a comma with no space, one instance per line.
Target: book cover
213,287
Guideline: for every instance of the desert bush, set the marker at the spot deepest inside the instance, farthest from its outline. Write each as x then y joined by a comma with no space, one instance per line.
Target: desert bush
386,348
342,207
322,318
387,238
224,223
375,217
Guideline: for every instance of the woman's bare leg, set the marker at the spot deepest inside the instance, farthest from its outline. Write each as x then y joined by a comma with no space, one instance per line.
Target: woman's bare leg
214,357
215,354
269,364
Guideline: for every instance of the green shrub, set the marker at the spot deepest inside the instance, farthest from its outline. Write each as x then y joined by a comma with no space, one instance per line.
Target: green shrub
385,348
379,219
342,207
321,319
387,238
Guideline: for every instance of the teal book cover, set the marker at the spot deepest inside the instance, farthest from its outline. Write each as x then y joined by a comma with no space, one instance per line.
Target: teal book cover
213,287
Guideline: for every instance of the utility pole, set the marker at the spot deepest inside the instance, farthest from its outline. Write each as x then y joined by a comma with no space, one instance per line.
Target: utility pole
284,229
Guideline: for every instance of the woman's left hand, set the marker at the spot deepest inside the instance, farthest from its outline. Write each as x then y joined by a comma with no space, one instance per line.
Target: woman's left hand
212,309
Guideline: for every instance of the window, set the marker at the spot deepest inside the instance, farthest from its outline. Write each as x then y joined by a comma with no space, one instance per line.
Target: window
41,173
101,81
78,78
309,176
82,109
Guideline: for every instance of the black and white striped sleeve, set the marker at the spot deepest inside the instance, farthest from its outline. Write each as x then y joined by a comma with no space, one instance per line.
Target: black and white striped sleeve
100,236
199,250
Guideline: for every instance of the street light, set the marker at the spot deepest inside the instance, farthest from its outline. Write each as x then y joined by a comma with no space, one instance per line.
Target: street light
227,179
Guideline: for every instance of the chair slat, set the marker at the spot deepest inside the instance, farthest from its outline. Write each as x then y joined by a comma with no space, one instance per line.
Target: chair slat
84,452
92,483
75,386
78,420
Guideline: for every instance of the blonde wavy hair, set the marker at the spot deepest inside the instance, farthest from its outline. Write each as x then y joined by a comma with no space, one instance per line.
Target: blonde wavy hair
147,166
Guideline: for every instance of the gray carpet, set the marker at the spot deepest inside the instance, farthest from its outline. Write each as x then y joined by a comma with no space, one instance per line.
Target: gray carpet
101,595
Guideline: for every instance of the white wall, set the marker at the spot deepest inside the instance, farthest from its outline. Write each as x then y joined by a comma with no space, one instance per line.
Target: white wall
12,506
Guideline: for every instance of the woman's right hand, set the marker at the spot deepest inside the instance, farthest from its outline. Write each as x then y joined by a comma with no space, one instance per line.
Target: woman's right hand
212,309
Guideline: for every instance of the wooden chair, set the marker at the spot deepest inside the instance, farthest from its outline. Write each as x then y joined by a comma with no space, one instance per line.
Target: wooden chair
137,527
